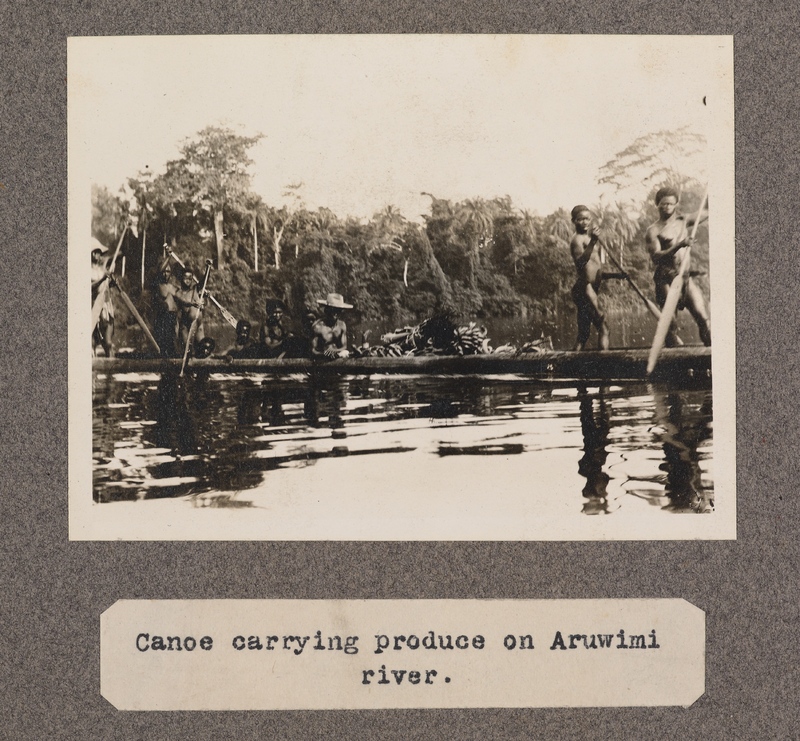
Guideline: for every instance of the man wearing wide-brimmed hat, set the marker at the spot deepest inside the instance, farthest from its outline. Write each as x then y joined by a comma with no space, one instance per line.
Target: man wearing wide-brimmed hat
329,334
103,332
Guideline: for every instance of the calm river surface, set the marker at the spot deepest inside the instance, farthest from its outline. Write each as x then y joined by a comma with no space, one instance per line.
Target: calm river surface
225,440
408,457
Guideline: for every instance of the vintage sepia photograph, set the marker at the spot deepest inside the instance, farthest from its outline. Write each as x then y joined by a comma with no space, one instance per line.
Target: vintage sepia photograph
401,287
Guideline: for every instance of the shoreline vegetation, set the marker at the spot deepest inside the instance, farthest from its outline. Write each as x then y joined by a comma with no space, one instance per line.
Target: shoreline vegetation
476,259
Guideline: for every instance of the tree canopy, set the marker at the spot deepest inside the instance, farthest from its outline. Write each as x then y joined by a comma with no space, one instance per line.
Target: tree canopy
674,158
479,257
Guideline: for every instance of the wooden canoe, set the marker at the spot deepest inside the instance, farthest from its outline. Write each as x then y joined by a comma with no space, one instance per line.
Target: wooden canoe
678,364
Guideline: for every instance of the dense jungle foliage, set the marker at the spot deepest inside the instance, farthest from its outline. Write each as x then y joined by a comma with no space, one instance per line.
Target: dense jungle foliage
477,258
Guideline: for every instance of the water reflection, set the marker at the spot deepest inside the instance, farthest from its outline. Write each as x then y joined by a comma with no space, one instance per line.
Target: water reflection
595,428
217,437
685,425
668,469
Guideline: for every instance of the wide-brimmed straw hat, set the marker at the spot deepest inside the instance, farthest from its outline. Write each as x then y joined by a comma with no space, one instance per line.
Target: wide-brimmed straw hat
334,300
96,244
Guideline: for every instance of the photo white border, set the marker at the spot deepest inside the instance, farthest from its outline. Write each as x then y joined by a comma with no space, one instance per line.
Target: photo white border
134,521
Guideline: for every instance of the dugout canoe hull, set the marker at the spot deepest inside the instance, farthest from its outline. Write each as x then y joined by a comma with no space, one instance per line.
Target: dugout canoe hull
675,364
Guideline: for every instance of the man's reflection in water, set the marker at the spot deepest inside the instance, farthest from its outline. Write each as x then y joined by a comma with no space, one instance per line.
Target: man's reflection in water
323,399
325,402
103,425
266,404
187,414
595,429
684,425
175,426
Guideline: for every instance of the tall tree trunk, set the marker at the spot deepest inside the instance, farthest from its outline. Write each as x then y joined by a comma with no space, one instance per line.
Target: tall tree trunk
144,247
255,242
277,234
435,269
219,235
473,263
405,273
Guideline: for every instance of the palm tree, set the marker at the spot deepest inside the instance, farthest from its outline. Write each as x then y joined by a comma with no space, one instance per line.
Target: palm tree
617,228
474,223
389,224
530,229
561,227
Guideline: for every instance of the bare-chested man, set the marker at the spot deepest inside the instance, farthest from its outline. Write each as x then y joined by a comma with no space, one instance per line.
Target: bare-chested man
103,332
187,299
589,271
273,334
165,319
329,334
665,240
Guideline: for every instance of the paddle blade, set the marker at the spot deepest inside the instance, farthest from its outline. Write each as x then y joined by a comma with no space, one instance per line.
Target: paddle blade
226,315
667,314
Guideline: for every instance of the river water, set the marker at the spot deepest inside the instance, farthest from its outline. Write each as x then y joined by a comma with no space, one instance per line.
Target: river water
409,452
239,440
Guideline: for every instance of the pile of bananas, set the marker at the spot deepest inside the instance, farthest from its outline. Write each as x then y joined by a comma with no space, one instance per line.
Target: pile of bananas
470,340
392,350
433,336
438,337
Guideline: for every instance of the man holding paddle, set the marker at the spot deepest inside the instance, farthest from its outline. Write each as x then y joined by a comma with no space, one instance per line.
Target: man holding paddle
103,331
589,270
188,299
665,241
165,321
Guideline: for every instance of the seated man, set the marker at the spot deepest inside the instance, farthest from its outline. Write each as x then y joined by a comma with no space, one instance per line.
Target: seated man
329,334
273,335
205,348
244,346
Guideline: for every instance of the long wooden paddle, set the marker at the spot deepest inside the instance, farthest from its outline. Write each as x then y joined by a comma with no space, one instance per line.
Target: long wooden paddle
226,315
196,320
652,308
136,315
673,296
97,306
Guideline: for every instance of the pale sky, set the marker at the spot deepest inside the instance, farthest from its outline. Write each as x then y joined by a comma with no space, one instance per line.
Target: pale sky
366,121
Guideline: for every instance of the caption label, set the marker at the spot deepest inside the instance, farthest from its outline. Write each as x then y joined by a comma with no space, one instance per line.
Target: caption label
337,654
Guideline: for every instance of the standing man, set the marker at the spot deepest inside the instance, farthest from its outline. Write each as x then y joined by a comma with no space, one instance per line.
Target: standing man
165,321
103,332
665,240
589,271
329,334
187,298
